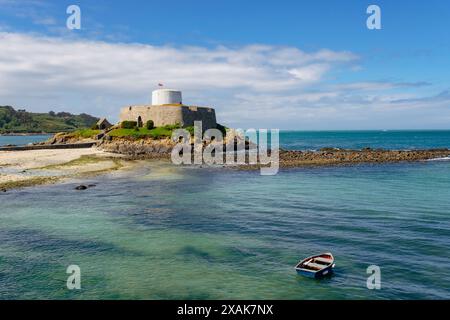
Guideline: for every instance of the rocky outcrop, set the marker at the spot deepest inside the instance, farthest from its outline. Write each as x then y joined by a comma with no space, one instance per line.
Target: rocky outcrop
65,138
155,148
332,156
161,149
139,148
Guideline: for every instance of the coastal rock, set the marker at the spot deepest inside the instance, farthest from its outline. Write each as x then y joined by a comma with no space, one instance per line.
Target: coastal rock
345,157
81,187
162,148
139,148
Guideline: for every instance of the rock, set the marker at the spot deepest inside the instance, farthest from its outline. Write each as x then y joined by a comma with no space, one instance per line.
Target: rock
81,187
91,185
328,149
2,190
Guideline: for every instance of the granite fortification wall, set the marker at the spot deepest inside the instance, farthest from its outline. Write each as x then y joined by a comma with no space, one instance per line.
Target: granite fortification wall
170,114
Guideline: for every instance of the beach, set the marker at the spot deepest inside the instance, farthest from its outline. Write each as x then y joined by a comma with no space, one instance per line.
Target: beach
35,167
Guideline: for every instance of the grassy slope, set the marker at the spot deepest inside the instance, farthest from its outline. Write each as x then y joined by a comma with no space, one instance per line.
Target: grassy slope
84,133
155,133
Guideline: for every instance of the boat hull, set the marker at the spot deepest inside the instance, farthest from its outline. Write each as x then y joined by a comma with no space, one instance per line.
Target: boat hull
316,274
318,266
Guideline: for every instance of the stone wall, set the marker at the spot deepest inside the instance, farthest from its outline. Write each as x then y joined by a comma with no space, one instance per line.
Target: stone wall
170,114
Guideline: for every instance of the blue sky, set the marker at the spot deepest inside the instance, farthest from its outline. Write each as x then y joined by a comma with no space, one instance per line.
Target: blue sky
284,64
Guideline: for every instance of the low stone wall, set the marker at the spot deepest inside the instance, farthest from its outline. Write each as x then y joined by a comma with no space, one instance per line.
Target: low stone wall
49,146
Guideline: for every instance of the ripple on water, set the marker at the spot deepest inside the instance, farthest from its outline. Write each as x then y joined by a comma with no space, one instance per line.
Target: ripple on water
212,233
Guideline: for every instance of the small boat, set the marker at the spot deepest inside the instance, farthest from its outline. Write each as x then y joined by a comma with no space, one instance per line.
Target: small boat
316,266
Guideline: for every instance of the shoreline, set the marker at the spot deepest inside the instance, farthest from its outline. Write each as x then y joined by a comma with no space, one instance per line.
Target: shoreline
19,169
18,134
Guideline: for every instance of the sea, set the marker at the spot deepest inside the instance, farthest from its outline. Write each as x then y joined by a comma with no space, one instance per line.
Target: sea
22,140
170,232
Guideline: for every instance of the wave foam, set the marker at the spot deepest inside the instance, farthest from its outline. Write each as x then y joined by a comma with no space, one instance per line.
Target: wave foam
440,159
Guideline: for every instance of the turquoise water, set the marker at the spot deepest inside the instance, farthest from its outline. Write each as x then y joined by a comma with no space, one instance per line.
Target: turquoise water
22,140
165,232
398,140
313,140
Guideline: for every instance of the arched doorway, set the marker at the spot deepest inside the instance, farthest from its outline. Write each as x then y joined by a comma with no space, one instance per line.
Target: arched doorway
139,122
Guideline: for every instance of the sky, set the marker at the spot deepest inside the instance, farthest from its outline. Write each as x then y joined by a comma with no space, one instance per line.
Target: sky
299,65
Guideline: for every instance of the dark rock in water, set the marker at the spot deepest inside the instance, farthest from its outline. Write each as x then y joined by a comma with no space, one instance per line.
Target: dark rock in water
81,187
91,185
2,190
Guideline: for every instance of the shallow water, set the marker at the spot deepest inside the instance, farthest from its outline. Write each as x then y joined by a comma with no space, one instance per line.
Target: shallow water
22,140
165,232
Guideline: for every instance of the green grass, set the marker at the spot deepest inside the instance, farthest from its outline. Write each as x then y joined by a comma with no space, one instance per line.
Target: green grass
85,133
83,160
27,183
156,133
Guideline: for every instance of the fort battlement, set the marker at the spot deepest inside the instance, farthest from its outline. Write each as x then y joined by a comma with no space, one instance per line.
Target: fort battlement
167,109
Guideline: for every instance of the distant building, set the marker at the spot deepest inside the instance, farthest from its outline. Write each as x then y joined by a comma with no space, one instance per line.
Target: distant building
167,108
103,124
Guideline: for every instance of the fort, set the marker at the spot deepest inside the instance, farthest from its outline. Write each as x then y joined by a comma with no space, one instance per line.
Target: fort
167,108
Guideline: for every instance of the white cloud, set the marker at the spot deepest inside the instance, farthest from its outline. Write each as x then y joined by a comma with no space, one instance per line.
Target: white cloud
250,86
379,85
310,73
41,70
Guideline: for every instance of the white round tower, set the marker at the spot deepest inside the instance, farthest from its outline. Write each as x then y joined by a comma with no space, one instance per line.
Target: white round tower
166,96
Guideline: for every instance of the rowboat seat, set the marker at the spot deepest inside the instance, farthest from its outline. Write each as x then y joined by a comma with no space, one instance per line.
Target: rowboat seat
313,265
323,260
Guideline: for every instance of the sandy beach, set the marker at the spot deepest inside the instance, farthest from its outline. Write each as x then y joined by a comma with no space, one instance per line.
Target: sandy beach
34,167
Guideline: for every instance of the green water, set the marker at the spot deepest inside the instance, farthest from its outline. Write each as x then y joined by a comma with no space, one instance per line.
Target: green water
166,232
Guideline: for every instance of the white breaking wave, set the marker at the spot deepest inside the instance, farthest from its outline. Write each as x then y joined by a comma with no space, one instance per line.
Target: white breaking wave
440,159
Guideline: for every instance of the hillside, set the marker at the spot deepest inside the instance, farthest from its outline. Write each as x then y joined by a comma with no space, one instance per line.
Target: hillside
21,121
